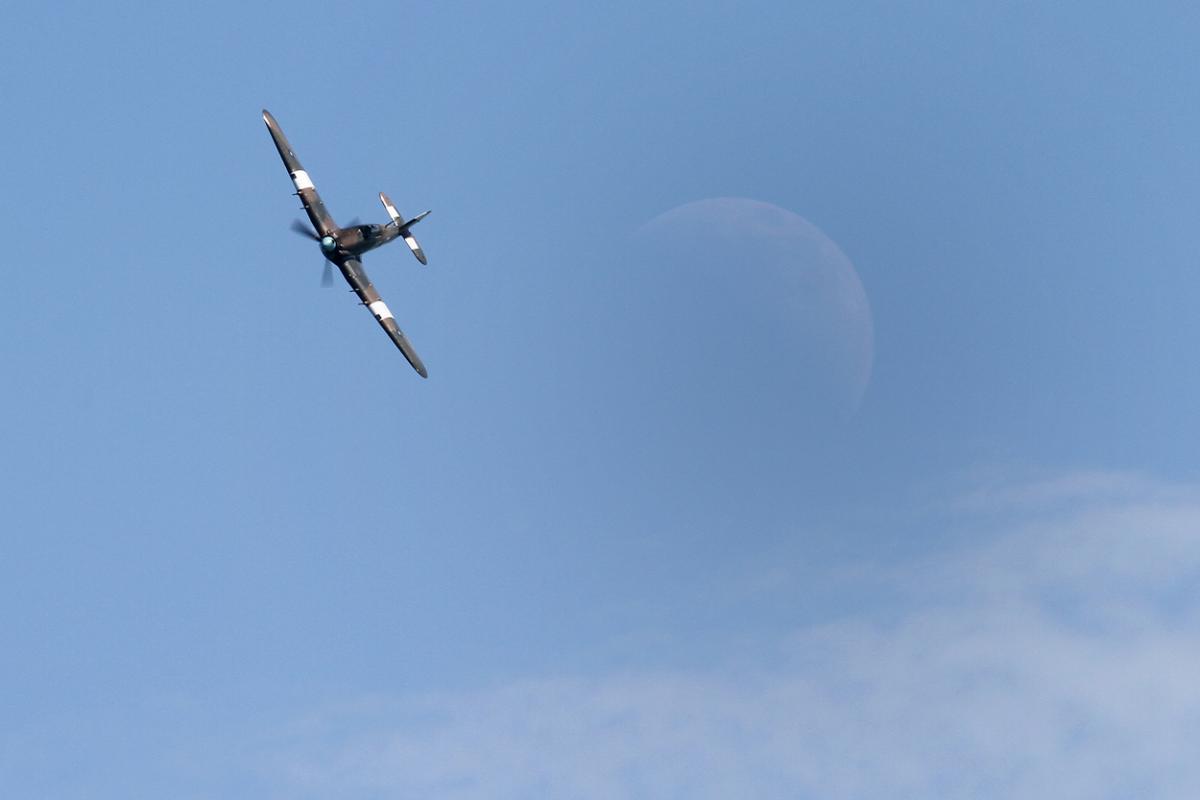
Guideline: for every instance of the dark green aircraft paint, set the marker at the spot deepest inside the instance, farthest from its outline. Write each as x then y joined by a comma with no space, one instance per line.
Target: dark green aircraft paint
345,246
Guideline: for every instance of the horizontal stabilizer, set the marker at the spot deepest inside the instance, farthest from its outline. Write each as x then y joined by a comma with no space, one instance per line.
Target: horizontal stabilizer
397,219
402,225
411,241
391,209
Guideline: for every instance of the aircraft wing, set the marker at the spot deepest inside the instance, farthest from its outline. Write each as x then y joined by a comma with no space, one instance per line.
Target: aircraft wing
383,315
401,341
321,221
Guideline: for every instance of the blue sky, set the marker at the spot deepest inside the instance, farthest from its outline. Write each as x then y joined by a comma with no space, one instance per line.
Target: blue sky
611,547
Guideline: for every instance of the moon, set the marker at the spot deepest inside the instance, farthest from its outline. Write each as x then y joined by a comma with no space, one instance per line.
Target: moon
762,301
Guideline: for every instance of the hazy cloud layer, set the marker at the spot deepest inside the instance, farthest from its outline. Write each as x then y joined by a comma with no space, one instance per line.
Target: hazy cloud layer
1055,659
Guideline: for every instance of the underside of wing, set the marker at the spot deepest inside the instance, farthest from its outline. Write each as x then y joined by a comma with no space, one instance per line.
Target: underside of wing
383,316
305,190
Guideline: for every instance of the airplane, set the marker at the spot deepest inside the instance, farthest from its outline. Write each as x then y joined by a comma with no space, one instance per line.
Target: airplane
345,246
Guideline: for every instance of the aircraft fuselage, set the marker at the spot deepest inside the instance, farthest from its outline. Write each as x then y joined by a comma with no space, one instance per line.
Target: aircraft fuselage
358,239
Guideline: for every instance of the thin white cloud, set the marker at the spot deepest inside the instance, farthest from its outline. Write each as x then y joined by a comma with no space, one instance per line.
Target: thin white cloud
1057,660
999,492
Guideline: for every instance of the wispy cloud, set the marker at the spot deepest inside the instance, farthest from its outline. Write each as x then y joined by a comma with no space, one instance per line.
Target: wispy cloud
1057,659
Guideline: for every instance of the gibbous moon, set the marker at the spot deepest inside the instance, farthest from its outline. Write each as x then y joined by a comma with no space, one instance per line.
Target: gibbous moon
765,301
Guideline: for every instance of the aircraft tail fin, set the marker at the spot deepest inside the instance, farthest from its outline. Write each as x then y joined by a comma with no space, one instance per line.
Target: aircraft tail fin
416,219
404,226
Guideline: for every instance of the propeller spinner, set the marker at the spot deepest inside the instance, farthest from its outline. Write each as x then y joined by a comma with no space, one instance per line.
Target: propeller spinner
328,245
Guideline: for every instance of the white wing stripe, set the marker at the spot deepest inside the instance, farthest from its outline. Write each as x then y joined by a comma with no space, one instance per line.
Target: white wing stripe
380,310
301,179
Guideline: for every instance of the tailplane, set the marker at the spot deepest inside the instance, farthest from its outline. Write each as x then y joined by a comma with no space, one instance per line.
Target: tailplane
404,226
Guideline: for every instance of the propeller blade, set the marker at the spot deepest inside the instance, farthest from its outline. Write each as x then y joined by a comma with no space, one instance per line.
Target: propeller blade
327,275
302,229
354,223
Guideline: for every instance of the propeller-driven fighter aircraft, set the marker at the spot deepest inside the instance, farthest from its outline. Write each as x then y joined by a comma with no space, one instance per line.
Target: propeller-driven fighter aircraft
345,246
